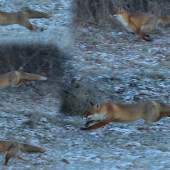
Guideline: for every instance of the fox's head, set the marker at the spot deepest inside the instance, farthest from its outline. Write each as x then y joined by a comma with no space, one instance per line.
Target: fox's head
95,113
118,11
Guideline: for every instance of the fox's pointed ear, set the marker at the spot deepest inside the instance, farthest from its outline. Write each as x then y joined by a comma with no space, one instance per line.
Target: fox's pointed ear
91,104
97,106
120,8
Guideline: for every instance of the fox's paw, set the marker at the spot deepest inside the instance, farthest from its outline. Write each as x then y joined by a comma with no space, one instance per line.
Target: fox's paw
31,85
27,83
82,128
35,28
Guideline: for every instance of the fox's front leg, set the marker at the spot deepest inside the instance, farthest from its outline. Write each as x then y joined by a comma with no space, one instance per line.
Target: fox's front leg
95,126
88,123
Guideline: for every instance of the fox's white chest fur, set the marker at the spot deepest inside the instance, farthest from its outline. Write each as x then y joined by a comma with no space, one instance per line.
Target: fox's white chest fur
123,22
98,117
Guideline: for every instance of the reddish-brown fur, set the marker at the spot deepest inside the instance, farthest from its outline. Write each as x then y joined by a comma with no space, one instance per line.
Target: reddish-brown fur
106,112
12,148
22,18
140,23
15,78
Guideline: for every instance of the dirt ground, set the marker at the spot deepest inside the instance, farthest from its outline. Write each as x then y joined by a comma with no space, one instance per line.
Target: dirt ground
123,71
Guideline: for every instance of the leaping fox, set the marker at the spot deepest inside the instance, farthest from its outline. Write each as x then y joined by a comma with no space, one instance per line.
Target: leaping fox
13,148
14,78
139,23
22,18
101,114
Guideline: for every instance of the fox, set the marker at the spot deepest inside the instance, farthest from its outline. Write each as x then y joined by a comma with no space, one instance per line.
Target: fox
22,18
15,78
139,23
12,148
100,115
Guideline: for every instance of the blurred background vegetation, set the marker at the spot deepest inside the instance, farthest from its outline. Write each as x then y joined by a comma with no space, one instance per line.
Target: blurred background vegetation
98,11
48,59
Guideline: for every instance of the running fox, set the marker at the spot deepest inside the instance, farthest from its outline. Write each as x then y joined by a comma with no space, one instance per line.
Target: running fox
101,114
12,148
22,18
139,23
14,78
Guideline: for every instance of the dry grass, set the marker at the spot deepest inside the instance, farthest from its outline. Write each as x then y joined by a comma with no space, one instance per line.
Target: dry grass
34,57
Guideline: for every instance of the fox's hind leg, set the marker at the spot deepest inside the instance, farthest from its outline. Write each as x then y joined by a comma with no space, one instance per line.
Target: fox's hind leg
28,25
35,28
7,157
17,82
142,32
26,82
147,35
21,159
32,27
12,151
23,20
142,36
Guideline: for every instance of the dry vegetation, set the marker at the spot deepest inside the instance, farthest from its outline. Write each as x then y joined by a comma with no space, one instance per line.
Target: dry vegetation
105,64
44,58
74,90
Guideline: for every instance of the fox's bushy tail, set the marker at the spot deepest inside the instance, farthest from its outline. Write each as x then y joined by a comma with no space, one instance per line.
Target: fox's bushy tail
164,20
29,76
30,148
36,14
164,108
